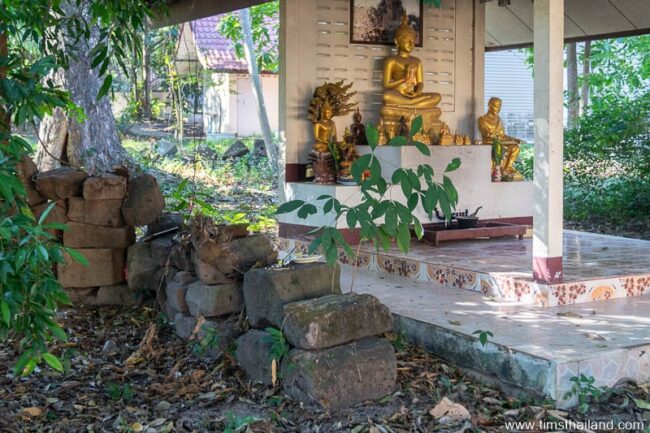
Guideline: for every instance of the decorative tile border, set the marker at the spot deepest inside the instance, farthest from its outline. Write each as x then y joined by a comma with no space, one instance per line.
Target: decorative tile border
509,288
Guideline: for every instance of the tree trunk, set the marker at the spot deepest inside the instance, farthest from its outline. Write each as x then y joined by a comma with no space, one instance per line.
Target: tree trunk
573,98
586,70
5,116
146,79
251,59
92,143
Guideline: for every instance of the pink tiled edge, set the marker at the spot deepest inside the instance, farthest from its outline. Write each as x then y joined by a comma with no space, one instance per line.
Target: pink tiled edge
510,288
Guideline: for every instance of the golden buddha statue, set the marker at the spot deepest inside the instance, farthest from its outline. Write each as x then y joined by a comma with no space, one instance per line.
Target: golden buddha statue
491,127
404,83
324,129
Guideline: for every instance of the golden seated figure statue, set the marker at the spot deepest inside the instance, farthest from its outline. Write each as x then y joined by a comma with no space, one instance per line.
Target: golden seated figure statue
491,127
325,129
403,94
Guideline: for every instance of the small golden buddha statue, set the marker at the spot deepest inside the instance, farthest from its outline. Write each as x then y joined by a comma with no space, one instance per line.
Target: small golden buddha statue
347,154
491,127
404,84
324,129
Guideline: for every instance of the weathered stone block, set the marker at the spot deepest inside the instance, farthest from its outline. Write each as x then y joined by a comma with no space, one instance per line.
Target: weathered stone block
60,183
184,325
215,335
267,290
105,187
26,170
117,295
208,273
161,248
166,221
252,250
106,213
105,268
335,319
341,376
90,236
254,355
82,296
143,273
213,300
144,201
176,297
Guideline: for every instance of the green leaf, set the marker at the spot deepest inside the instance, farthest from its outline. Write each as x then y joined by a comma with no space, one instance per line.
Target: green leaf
445,205
403,238
289,206
329,205
398,140
390,221
360,165
47,211
416,125
306,210
77,256
430,200
351,218
451,190
417,227
53,361
641,404
453,165
423,148
6,313
372,135
108,81
412,202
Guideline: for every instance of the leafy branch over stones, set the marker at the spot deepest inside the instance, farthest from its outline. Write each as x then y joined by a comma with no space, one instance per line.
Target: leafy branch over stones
380,218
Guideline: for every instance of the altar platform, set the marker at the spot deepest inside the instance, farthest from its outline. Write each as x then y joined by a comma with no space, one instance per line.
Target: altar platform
596,267
533,349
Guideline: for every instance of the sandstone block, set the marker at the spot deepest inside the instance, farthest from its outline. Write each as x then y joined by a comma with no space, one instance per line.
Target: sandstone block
143,273
341,376
266,291
144,201
335,319
176,297
184,325
213,300
215,335
105,187
26,170
97,212
254,355
105,268
166,221
60,183
236,255
90,236
208,273
161,248
82,296
120,294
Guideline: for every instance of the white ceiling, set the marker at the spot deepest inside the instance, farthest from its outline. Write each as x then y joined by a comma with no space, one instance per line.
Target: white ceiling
512,25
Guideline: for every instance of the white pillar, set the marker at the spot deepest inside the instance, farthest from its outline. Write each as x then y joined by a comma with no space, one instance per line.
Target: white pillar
549,135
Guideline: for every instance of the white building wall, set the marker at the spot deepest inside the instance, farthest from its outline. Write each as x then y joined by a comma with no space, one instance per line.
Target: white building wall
247,119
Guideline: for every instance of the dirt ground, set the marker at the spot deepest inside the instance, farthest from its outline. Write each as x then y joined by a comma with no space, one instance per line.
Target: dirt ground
170,387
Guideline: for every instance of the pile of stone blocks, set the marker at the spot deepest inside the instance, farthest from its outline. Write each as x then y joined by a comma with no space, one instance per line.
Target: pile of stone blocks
337,358
100,213
204,286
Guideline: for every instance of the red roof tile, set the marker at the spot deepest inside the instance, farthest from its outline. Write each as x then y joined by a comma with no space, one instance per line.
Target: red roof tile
215,51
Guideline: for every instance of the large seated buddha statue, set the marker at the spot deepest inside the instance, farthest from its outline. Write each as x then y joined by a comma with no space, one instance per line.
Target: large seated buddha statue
404,98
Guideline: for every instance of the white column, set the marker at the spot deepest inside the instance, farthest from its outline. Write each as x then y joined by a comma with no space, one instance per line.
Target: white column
549,99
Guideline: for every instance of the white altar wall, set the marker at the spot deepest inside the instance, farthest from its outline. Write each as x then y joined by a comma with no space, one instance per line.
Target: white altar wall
315,48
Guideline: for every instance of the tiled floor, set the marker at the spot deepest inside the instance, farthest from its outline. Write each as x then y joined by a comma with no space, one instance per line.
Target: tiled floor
606,340
596,267
586,255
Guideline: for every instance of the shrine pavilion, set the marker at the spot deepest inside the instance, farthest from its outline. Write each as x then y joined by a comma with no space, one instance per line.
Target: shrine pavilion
558,303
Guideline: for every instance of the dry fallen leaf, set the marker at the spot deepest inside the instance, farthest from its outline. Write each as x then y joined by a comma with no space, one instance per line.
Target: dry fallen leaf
31,412
446,411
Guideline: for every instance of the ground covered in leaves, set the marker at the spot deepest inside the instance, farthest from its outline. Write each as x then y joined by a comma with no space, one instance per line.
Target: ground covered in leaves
115,383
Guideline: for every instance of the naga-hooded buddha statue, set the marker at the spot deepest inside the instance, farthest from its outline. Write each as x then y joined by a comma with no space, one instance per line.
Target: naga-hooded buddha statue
403,90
